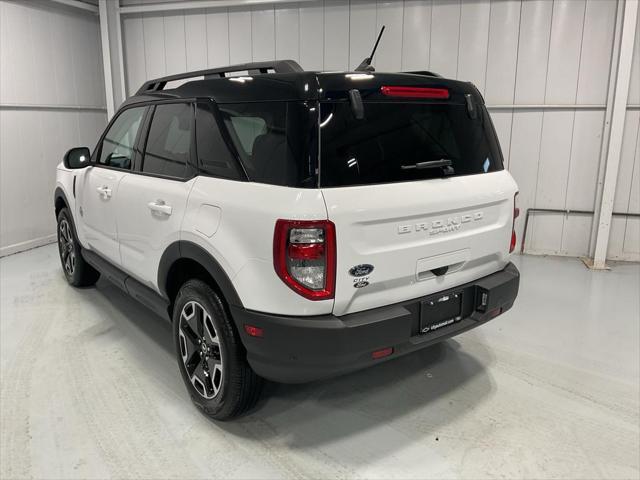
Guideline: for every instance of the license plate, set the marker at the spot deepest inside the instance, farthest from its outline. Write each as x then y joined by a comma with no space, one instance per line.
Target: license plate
439,312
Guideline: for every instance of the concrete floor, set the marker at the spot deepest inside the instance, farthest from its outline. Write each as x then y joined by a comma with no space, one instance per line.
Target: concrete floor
90,389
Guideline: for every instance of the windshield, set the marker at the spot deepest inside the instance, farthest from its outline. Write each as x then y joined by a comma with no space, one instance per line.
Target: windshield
399,142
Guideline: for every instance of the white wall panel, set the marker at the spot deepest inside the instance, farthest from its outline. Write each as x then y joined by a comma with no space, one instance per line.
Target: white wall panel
50,56
288,32
336,35
634,86
240,39
195,31
565,44
154,46
218,51
627,161
263,34
502,120
416,35
445,34
595,55
551,180
175,53
624,239
133,51
532,52
502,52
312,36
474,40
362,30
390,14
525,154
585,153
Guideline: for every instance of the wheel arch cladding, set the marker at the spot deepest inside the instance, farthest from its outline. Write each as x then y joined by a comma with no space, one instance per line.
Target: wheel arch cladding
183,260
59,200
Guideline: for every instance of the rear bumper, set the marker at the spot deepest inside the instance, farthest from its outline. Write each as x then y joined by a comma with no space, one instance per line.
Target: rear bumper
302,349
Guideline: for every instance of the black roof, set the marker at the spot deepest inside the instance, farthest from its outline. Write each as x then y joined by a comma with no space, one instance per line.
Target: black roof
286,80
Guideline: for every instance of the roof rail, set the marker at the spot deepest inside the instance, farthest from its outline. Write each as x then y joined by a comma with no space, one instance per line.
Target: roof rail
254,68
425,72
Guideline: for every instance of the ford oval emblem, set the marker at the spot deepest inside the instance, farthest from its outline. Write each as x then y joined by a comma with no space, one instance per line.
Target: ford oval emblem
361,270
361,284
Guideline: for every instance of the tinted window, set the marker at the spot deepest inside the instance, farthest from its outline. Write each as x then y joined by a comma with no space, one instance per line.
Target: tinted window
118,143
214,156
275,140
169,140
394,138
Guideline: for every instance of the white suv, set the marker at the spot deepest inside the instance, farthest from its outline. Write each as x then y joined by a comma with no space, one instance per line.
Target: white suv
294,225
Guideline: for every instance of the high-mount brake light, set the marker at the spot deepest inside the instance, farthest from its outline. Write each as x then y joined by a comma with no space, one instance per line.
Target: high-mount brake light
516,213
415,92
304,256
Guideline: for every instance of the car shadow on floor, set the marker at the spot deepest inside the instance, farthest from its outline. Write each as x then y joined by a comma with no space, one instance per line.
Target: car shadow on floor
426,390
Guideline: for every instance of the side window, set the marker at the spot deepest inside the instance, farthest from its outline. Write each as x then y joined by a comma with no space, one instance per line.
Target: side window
169,140
214,156
248,129
118,143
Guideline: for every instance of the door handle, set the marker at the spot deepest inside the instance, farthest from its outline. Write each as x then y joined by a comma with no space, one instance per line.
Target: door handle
160,207
104,191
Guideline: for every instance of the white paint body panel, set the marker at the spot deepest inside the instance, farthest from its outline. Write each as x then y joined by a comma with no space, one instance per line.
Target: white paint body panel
97,220
243,239
145,234
392,227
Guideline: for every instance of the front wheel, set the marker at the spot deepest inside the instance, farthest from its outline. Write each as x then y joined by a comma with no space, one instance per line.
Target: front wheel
210,354
76,270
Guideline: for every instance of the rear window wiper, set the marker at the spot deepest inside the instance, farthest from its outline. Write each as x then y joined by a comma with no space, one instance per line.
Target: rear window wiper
444,163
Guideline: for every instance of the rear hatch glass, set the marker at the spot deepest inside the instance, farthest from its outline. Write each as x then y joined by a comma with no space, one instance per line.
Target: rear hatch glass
400,141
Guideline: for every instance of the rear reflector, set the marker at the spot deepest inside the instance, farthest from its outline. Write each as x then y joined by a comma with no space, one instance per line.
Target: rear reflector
385,352
254,331
516,214
415,92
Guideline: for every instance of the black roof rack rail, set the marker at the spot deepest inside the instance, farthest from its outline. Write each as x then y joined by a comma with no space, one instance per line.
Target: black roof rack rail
425,72
254,68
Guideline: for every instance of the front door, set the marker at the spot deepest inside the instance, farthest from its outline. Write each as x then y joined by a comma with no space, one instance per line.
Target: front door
99,189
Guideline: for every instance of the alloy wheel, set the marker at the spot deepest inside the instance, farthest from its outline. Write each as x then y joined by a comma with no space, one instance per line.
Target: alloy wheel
200,349
67,247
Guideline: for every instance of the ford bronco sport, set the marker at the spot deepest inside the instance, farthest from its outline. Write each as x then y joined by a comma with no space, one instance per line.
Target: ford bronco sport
294,225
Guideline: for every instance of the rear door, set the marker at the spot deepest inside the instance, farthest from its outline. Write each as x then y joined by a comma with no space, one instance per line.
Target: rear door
151,202
99,190
419,197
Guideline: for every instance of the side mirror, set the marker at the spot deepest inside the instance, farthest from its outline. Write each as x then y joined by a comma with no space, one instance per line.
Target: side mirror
78,157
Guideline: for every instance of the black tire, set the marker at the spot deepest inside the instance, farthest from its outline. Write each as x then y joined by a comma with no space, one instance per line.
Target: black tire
76,270
211,357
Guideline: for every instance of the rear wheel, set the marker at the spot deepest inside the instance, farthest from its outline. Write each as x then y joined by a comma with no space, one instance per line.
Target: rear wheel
210,354
76,270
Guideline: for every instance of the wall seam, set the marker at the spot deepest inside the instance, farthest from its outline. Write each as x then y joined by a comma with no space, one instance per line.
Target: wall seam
546,82
515,80
573,128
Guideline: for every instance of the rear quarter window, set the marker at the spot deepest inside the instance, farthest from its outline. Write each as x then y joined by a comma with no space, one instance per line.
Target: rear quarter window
276,141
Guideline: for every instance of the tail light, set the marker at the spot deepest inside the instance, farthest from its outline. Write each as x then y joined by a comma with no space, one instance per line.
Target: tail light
415,92
516,213
304,256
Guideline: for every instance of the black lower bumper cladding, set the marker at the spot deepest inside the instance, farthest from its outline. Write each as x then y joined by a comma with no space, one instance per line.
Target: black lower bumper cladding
303,349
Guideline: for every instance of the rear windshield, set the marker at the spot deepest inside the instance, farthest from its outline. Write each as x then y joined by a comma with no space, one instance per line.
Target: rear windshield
395,140
276,141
